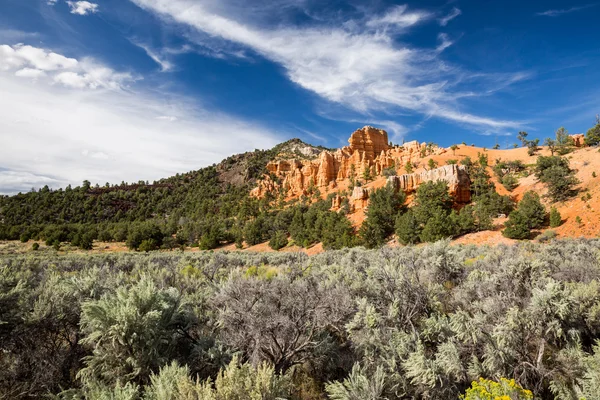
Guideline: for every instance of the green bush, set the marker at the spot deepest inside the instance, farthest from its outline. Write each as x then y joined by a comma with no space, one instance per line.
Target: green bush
517,226
555,218
279,240
130,333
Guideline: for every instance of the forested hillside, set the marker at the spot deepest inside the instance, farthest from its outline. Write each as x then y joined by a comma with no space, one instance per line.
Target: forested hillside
366,194
415,322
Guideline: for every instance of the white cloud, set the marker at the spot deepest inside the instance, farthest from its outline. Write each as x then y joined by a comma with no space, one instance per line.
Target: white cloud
453,14
51,2
21,55
82,7
34,62
364,69
54,134
30,73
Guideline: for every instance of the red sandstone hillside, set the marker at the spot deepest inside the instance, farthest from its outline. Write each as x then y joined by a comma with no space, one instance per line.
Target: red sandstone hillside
331,172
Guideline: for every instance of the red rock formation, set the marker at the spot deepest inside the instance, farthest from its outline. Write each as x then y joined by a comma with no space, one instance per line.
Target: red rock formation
578,139
368,148
369,141
456,176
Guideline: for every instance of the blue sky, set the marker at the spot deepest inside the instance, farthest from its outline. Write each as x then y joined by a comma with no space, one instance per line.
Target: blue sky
111,90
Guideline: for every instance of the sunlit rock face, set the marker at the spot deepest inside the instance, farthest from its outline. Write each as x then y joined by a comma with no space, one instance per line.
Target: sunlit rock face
455,176
368,148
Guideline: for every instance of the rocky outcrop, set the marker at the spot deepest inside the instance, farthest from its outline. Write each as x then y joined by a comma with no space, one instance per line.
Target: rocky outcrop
368,148
369,141
578,139
360,197
456,176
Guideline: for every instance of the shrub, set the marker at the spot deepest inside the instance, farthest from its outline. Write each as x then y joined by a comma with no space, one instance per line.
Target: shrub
546,236
359,385
279,240
236,382
555,218
35,246
490,390
25,237
130,332
148,245
390,171
432,164
517,226
510,182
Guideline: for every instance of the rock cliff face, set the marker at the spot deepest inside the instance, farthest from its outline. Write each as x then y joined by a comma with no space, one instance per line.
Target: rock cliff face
368,148
456,176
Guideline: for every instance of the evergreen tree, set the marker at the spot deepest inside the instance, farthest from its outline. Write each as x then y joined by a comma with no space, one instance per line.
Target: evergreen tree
408,228
279,240
431,198
517,226
592,137
533,210
555,218
384,206
555,172
439,226
367,175
564,143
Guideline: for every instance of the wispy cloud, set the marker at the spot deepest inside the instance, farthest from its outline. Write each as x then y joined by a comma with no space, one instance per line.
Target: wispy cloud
355,63
398,17
445,42
557,13
453,14
67,129
165,65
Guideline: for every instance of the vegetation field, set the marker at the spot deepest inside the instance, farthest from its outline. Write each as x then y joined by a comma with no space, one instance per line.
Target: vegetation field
428,322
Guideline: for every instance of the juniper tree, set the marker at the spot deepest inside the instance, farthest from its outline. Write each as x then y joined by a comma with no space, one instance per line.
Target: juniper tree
555,172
